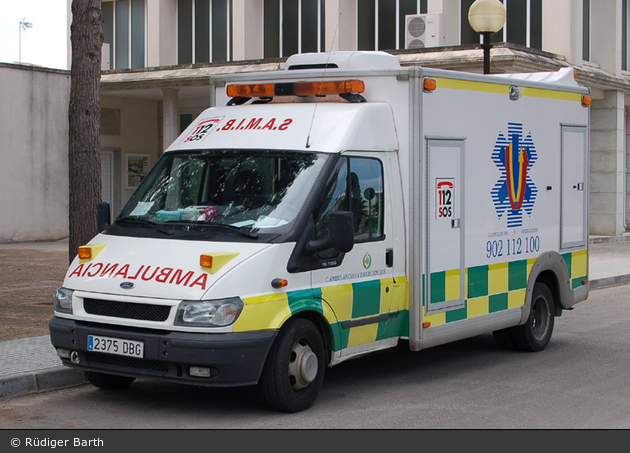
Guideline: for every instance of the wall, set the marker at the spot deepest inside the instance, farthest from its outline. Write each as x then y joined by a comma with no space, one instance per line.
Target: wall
34,153
138,134
607,165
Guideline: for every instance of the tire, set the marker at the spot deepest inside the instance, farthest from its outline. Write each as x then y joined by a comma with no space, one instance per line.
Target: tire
534,335
108,381
294,370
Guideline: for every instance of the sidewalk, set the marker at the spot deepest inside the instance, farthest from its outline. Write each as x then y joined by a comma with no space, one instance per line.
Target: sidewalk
31,365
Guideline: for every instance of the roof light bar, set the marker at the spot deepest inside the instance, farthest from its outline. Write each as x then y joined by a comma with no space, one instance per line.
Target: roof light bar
321,88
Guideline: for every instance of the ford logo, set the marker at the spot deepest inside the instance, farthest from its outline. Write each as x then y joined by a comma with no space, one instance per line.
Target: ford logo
127,285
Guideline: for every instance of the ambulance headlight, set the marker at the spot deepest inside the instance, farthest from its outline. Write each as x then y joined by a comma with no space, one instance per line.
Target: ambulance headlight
62,300
208,313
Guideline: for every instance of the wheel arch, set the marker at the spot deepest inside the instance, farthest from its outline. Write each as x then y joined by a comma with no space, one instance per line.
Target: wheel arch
322,325
551,269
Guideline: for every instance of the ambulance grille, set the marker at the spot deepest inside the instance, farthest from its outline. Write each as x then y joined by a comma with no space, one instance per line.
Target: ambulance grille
144,312
126,362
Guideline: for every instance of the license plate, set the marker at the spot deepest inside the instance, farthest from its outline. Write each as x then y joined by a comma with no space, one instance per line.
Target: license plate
116,346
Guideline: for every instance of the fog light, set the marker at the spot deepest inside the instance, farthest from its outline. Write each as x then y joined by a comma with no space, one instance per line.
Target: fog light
64,353
199,371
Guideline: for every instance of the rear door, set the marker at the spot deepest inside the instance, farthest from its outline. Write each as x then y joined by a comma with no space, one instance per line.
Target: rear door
574,191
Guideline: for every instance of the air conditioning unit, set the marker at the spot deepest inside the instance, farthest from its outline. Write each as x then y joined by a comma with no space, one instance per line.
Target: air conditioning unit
424,30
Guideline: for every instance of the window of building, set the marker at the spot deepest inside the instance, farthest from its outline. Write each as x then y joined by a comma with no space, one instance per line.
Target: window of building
523,24
624,35
586,30
293,26
124,30
204,29
381,23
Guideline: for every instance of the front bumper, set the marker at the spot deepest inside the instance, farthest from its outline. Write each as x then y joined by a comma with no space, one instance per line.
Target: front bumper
234,359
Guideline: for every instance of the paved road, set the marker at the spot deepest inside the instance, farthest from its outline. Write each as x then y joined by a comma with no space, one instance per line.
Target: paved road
579,381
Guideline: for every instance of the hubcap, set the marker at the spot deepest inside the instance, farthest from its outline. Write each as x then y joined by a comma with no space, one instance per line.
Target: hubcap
540,320
303,366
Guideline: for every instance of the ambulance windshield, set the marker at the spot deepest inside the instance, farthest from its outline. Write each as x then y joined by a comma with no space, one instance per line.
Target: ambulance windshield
248,190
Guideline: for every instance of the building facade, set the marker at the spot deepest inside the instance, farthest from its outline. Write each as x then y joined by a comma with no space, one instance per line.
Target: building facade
160,56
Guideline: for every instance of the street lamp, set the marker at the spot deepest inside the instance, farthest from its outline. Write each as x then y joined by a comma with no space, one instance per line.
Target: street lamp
486,17
23,26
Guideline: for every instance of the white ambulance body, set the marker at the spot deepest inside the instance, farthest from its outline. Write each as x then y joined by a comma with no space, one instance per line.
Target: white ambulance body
286,230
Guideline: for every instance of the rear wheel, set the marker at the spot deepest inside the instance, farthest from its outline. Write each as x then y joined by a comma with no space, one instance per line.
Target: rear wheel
108,381
535,334
294,370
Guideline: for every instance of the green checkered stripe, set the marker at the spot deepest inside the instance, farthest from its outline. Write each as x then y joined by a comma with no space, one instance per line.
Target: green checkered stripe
366,302
577,265
494,288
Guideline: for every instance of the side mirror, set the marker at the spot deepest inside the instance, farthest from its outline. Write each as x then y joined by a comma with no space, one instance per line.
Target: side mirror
103,216
341,236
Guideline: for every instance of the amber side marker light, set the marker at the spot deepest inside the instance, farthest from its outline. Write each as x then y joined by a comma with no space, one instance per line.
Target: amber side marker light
89,252
429,84
85,253
279,283
205,261
426,324
586,100
321,88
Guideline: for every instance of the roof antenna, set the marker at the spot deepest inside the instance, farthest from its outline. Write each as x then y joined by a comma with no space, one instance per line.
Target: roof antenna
321,85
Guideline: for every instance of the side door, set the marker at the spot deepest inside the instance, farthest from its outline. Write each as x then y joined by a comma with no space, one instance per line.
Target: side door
357,285
445,259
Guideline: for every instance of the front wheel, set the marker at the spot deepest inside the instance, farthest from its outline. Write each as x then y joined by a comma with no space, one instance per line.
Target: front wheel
535,334
294,370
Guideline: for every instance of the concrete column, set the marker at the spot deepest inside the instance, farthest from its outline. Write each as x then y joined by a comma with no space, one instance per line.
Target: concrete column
608,137
247,30
170,118
627,180
562,29
161,32
341,25
606,35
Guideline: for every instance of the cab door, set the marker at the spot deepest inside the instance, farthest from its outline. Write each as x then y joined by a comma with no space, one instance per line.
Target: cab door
357,285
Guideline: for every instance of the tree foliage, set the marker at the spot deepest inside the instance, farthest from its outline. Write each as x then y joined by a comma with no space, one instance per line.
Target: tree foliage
84,115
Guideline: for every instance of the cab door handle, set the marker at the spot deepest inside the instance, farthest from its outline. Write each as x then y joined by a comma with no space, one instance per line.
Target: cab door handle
389,257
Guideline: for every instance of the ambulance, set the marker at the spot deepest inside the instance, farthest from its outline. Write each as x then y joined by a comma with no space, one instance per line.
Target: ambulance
336,207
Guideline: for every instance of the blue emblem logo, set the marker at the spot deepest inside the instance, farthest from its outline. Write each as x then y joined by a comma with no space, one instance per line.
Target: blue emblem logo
127,285
515,191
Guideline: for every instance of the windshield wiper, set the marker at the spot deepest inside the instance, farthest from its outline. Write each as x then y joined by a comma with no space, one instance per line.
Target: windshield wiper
138,221
247,232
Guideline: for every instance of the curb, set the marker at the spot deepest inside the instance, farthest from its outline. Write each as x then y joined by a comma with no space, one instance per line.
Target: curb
22,384
607,282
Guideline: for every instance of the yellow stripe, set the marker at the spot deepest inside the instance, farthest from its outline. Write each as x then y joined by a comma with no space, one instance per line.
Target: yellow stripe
453,284
486,87
579,264
551,94
516,298
498,278
340,299
362,335
263,312
478,306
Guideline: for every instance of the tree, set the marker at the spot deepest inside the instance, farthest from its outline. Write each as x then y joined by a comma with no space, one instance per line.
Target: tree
84,115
